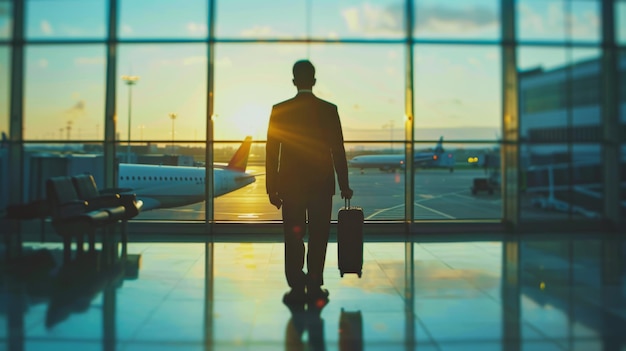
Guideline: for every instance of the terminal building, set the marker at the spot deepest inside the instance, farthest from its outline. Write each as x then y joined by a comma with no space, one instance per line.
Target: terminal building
494,209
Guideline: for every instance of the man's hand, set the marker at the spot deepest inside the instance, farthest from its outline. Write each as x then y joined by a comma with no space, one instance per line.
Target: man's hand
347,194
276,201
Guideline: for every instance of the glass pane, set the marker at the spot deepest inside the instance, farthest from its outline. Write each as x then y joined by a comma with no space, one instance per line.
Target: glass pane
161,92
66,19
255,19
357,19
620,22
168,177
376,173
171,19
558,20
447,100
6,22
64,92
450,19
457,181
365,82
245,89
5,76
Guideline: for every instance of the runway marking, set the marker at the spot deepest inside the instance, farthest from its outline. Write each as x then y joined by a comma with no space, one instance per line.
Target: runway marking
383,210
435,211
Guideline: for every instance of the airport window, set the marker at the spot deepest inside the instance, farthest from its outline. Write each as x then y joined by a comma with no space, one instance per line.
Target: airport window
360,50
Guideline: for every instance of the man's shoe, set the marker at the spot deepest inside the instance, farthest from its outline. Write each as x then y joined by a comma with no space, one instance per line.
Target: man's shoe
317,297
294,297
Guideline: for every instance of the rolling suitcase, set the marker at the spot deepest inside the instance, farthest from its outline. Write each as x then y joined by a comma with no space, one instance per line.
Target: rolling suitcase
350,239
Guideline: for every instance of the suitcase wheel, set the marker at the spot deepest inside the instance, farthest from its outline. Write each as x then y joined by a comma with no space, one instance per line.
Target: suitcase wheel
341,274
360,274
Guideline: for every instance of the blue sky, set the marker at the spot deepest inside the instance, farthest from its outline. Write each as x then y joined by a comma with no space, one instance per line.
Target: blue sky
456,86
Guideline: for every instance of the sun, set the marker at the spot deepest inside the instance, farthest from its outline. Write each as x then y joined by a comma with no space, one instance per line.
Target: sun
249,119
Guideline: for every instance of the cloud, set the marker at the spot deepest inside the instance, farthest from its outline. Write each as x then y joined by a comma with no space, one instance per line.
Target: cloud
443,19
197,29
46,27
552,22
224,62
43,63
126,29
371,19
86,61
194,60
259,31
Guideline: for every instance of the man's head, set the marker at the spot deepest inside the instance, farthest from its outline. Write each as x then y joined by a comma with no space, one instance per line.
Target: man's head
303,74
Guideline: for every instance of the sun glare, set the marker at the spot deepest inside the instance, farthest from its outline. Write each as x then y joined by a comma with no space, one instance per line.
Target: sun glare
249,119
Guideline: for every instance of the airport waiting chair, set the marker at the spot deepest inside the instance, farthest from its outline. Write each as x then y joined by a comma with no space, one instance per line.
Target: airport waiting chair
71,216
121,207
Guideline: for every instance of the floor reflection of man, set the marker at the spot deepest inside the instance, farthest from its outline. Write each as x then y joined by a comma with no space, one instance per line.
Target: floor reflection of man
310,320
302,320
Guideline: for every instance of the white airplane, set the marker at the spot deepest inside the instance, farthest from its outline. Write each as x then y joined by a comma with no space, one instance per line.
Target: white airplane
390,162
172,186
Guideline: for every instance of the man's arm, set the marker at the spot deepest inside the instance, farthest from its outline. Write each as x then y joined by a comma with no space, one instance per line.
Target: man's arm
339,156
272,150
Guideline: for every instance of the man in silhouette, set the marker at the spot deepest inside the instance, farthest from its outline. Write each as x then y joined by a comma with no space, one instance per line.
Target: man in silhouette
304,150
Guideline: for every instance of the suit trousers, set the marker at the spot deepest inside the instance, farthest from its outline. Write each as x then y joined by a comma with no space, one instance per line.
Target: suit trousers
317,207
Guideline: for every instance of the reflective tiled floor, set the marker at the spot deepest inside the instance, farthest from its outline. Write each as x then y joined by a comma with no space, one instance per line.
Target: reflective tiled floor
526,293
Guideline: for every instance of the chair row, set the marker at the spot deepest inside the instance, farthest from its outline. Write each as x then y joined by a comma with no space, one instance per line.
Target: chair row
77,208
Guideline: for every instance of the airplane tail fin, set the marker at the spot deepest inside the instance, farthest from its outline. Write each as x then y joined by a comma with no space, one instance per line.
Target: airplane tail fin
439,147
239,161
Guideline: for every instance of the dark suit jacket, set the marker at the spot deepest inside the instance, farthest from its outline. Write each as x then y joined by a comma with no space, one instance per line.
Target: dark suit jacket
305,147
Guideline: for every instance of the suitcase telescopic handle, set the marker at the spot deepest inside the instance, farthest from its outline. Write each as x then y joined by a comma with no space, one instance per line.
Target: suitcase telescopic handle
347,202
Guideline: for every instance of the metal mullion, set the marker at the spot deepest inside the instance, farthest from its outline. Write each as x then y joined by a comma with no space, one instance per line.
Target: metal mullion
610,116
16,118
209,209
409,125
510,118
110,169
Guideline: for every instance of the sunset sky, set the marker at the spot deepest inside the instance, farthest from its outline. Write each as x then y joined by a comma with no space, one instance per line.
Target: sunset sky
457,87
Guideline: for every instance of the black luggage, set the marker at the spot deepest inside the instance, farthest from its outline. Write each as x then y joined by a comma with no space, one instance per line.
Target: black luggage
350,239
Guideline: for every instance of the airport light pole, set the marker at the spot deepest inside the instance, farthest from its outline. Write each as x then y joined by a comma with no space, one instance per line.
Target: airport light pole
130,81
173,117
